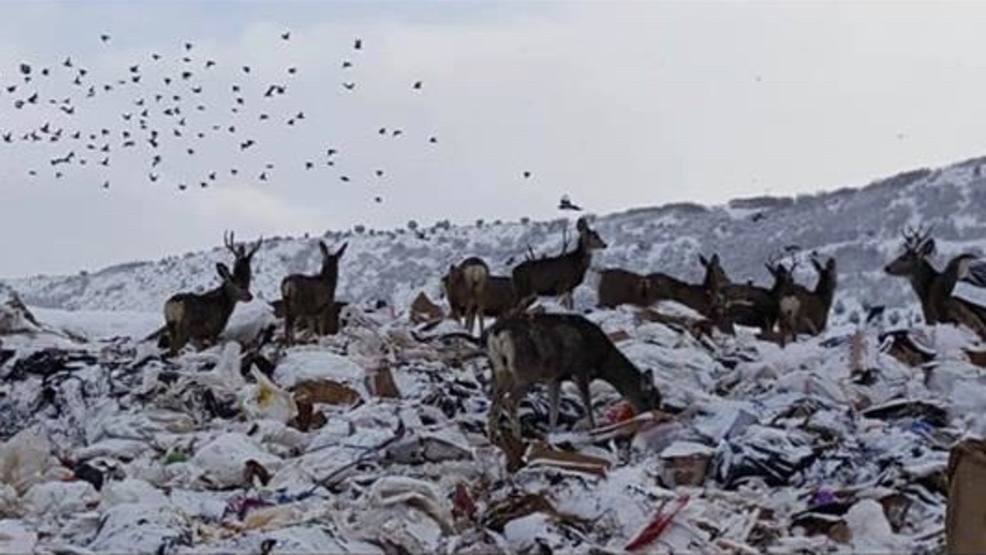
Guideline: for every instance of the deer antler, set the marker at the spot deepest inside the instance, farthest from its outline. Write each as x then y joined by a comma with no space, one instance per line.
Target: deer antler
228,241
255,247
915,239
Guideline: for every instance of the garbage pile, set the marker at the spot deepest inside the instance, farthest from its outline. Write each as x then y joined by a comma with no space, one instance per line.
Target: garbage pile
374,441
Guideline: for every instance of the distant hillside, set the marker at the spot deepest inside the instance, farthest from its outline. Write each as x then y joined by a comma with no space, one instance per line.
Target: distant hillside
860,227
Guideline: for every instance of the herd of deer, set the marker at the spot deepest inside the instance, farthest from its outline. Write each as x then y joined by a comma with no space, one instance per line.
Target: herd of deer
529,347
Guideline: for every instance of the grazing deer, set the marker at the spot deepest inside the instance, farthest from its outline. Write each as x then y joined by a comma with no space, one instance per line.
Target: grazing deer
558,275
464,285
202,317
934,288
699,297
618,286
309,296
525,349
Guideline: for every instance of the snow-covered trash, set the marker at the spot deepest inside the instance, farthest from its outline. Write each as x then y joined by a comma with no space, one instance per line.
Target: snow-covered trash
371,441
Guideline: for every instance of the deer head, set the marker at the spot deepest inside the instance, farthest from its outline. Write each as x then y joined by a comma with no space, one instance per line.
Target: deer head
916,248
242,258
588,238
715,276
330,260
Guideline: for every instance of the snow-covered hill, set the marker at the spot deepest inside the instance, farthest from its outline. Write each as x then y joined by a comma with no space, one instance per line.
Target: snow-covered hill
860,227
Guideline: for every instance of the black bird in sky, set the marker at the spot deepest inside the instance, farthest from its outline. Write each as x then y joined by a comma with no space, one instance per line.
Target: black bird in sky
358,44
566,204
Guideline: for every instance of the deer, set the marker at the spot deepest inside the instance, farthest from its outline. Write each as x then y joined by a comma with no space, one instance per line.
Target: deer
618,286
525,349
558,275
309,296
933,287
329,317
242,258
807,312
464,285
751,305
699,297
202,317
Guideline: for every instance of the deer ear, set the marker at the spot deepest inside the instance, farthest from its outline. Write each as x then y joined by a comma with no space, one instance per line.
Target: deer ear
702,260
342,249
223,271
715,258
322,247
581,225
818,265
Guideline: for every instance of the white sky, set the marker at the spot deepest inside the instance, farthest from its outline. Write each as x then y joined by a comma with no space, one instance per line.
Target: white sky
618,104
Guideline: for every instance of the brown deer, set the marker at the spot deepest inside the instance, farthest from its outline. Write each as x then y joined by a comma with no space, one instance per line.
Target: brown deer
934,288
202,317
558,275
243,258
618,286
329,317
751,305
525,349
806,311
699,297
309,296
464,285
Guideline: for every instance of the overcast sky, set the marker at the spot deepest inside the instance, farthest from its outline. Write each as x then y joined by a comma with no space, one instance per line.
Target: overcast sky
618,104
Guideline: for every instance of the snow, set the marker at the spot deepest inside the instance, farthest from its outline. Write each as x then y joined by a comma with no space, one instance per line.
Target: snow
108,446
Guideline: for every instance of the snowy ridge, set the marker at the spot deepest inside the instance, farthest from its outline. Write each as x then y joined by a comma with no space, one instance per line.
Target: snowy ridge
860,227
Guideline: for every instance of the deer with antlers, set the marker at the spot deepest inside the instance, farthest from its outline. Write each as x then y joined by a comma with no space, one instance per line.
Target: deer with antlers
311,296
558,275
933,287
202,317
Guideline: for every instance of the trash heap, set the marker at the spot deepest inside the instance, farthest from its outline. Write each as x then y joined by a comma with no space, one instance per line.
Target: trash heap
374,441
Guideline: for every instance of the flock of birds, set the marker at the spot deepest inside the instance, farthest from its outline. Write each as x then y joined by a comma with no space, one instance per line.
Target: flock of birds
166,112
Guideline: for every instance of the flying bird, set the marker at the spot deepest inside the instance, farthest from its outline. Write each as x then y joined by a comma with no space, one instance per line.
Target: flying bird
104,37
417,84
566,204
358,44
286,35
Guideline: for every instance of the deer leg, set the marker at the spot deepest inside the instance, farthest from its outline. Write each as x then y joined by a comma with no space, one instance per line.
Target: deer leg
311,322
554,390
496,406
288,325
174,339
583,384
513,401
